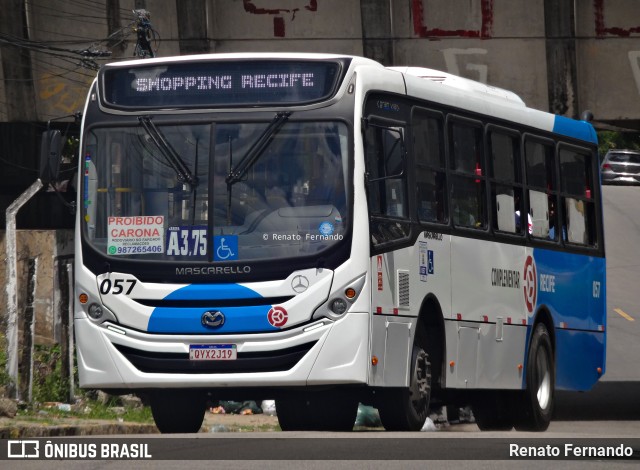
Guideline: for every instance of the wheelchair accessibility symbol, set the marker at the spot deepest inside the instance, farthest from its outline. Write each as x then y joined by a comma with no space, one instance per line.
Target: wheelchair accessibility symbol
225,247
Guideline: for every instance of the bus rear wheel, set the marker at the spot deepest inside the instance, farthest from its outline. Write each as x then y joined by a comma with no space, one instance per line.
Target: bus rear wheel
407,409
534,405
327,410
492,411
178,411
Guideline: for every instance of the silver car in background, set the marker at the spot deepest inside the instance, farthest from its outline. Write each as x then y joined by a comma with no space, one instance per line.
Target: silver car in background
621,166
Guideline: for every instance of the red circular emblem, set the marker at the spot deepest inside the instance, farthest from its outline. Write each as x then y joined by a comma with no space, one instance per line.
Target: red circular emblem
277,316
530,283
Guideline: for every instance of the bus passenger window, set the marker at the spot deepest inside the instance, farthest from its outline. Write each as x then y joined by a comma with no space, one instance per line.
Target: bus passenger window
505,205
431,195
468,202
505,182
428,149
468,206
467,148
385,171
540,171
578,205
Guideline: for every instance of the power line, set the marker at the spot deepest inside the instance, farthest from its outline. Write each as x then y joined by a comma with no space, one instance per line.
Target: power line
15,165
54,61
84,57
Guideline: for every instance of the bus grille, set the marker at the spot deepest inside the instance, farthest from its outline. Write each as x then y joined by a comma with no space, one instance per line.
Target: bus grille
179,363
403,289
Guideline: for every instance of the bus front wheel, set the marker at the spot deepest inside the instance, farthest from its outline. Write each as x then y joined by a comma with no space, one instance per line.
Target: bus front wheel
407,409
327,410
534,405
178,411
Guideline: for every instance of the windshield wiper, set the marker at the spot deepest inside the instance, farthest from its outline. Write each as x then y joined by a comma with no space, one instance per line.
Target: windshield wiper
236,174
183,173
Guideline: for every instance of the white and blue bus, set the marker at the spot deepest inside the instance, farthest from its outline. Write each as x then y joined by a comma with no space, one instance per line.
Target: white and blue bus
322,230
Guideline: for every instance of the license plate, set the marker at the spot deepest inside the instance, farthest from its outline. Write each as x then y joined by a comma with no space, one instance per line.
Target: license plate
213,352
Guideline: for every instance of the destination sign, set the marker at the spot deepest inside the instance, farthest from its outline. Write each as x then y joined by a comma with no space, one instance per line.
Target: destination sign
209,84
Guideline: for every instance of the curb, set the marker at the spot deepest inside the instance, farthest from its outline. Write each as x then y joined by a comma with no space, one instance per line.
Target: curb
18,431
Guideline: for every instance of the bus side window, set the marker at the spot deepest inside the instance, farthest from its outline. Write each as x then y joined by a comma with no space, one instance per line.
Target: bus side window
468,180
576,196
385,171
506,189
540,171
428,148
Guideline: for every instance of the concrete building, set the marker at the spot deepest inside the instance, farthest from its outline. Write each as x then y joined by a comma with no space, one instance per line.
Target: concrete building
560,55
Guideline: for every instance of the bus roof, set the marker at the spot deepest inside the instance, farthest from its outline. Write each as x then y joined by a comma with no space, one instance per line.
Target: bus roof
448,89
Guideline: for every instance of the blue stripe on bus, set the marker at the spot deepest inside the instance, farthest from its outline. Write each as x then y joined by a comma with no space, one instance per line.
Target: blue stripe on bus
578,129
570,299
578,356
188,320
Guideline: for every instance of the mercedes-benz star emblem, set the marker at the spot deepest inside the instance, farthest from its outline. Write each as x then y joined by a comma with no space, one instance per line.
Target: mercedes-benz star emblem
213,319
299,284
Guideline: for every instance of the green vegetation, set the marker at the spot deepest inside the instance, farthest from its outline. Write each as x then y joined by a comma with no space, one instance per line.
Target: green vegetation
5,380
50,393
87,409
608,140
48,381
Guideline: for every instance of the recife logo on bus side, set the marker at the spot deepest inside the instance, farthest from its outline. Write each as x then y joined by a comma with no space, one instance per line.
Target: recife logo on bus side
530,283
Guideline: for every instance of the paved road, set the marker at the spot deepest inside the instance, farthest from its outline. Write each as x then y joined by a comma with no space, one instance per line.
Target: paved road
622,244
371,450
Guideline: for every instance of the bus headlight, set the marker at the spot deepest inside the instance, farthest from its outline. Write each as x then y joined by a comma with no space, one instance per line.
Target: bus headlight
340,300
338,306
95,311
98,313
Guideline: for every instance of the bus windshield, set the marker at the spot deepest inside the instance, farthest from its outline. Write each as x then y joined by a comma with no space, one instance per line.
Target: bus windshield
168,192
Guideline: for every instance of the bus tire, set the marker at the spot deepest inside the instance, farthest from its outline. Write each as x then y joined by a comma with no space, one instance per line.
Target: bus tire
178,411
492,411
327,410
407,409
534,405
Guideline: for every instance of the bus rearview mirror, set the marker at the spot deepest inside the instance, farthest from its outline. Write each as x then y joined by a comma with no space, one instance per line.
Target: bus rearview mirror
50,154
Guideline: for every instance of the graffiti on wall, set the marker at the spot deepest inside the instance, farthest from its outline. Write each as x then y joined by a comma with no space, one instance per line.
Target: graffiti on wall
277,13
456,59
61,96
423,28
603,29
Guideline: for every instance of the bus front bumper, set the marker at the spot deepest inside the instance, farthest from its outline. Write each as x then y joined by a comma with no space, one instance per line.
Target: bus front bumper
320,353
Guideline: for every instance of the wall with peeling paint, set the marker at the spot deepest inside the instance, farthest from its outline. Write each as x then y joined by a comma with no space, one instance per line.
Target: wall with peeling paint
608,59
501,42
52,248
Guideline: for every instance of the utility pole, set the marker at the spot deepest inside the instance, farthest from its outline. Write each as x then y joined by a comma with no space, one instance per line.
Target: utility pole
377,30
113,25
562,80
16,64
192,27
